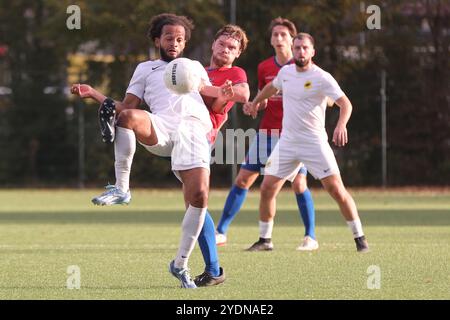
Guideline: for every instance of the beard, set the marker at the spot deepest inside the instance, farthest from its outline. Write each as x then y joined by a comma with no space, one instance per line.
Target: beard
219,62
302,63
165,57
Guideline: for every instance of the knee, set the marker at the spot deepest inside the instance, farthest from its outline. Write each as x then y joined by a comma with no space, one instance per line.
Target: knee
338,192
243,182
299,185
127,118
268,191
199,198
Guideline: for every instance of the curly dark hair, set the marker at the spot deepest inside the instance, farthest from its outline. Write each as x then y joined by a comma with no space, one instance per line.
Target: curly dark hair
158,22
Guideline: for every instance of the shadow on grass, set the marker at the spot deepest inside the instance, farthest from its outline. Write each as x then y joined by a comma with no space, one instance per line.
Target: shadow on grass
284,217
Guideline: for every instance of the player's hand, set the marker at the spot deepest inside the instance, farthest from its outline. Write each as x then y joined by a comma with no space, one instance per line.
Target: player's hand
340,137
251,109
263,104
226,91
82,90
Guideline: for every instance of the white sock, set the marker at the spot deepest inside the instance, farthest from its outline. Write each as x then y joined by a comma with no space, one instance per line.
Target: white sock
356,228
265,229
124,149
190,229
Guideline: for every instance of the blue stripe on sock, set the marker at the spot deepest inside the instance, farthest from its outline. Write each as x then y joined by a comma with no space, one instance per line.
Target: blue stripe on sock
233,204
306,208
207,243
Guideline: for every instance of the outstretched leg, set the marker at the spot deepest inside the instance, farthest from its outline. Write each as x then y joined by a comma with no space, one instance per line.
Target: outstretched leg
196,186
235,199
335,187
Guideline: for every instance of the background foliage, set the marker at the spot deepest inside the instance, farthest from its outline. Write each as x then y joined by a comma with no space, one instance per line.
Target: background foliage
39,121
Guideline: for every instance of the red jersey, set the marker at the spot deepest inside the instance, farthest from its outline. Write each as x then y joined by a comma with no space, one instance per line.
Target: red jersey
273,114
218,77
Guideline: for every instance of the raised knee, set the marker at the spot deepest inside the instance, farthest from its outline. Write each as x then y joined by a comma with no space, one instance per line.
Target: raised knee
127,118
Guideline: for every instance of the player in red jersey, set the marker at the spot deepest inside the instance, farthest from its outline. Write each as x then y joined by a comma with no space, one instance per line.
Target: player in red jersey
282,32
229,43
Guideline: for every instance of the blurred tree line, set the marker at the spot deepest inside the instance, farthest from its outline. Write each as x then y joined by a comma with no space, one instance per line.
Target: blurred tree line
40,122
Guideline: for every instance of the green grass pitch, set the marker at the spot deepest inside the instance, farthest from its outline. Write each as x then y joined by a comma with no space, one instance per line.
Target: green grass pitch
123,251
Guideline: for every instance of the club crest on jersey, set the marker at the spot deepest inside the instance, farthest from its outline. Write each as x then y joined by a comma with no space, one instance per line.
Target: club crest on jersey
308,85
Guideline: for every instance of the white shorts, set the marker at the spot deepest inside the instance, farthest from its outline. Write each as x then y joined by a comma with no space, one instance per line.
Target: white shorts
185,142
287,158
191,147
164,146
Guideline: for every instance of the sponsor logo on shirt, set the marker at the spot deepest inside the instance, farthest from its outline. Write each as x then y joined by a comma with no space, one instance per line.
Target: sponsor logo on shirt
308,85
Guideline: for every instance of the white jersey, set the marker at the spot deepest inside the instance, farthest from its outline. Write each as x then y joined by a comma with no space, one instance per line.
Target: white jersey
147,84
305,101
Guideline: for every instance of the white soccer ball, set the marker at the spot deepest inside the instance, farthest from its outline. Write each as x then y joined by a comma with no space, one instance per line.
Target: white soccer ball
181,76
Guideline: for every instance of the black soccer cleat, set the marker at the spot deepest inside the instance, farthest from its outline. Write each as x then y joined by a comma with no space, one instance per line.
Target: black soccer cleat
206,279
107,119
261,245
361,244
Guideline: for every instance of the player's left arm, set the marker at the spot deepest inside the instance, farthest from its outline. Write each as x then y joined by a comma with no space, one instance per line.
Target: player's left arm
241,94
218,97
224,92
340,136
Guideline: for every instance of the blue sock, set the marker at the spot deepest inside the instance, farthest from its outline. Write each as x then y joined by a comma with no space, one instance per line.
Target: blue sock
234,202
207,243
306,207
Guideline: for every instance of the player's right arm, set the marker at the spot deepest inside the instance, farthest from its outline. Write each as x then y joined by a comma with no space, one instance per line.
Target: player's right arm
86,91
261,74
263,104
251,108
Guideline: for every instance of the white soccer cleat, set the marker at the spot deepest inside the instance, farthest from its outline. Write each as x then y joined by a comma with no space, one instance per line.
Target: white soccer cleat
308,244
112,195
221,239
182,275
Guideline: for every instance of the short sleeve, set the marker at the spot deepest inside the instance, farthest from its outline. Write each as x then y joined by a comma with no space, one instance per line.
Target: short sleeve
137,82
277,81
239,76
202,72
331,87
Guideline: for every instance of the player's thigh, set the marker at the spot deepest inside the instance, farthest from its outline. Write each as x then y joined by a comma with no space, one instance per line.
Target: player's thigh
319,159
271,186
335,187
162,131
300,183
140,122
191,148
283,163
195,186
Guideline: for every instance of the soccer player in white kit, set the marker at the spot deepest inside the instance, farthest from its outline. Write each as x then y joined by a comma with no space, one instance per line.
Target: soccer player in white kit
177,127
305,88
